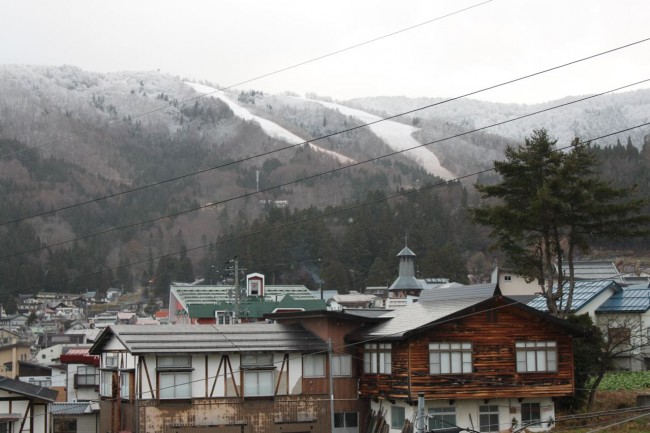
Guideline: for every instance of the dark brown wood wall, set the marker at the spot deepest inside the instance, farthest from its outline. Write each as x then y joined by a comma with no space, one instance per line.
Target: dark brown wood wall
493,335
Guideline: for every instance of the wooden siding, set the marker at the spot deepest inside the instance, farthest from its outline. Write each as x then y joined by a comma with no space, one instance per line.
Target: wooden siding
493,335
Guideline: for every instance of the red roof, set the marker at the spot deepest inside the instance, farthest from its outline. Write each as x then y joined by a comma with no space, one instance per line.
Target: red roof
161,314
79,356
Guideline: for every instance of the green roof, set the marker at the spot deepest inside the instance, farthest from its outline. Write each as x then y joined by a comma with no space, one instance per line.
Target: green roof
255,307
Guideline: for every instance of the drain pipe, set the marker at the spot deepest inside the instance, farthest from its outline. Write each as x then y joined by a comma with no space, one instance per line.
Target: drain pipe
420,421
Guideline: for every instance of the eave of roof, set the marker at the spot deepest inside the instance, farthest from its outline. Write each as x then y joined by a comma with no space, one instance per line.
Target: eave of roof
27,389
212,338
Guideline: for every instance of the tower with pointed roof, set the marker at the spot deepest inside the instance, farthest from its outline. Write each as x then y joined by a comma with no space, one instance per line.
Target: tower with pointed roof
406,284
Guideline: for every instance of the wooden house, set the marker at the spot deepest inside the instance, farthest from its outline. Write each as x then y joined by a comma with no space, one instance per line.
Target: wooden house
482,361
24,407
257,377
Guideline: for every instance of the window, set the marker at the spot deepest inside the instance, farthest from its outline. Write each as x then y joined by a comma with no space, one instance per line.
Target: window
619,336
45,383
535,356
174,362
7,427
106,386
377,358
346,420
258,383
65,425
507,278
530,414
341,365
110,360
257,360
125,384
397,417
175,384
224,318
174,377
450,358
87,375
442,417
313,365
259,374
488,418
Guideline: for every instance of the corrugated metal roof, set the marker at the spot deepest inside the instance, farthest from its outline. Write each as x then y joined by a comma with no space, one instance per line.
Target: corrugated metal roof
596,270
632,299
435,305
255,308
62,409
28,389
457,292
211,294
212,338
583,292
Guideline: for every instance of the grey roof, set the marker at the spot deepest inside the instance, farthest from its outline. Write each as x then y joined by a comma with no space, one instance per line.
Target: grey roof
428,310
59,409
365,312
596,270
632,299
405,283
191,294
28,389
406,252
211,338
457,292
583,292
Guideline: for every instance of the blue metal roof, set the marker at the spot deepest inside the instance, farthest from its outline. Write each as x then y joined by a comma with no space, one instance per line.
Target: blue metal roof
633,299
583,292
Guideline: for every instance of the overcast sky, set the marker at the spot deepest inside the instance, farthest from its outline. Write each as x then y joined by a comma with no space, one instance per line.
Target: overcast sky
231,41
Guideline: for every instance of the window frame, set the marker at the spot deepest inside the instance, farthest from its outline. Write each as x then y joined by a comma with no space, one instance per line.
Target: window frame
527,416
377,358
179,389
259,388
488,411
451,357
126,377
397,413
536,356
174,377
88,378
342,365
106,383
313,365
70,424
346,420
441,417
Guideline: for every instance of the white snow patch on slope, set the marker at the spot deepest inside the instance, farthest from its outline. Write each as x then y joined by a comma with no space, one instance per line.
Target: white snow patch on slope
397,136
272,129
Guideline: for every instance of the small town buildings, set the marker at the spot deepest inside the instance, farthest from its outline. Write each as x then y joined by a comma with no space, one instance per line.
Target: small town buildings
10,355
200,304
24,407
255,377
481,360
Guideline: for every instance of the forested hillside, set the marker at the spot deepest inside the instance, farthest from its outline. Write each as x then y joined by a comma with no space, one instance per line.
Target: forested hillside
130,179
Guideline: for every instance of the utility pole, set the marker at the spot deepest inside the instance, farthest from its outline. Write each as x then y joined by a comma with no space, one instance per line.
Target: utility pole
237,291
331,377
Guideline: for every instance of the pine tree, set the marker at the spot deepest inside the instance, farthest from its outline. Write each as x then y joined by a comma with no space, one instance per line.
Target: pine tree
551,204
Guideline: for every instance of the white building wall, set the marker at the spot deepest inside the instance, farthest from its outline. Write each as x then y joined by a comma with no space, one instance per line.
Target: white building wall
468,415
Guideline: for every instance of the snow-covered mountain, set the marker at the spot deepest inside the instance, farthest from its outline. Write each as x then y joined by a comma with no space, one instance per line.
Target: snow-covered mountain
594,117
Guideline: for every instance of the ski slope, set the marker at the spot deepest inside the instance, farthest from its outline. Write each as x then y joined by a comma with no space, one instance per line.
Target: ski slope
271,128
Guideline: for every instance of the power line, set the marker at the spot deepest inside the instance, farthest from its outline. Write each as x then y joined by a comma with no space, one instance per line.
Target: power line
292,223
268,74
176,178
176,214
